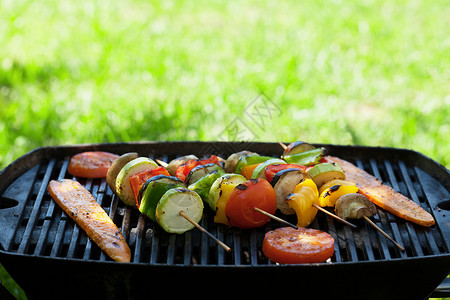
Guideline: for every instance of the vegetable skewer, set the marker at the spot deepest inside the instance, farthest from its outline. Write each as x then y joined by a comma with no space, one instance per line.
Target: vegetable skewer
314,204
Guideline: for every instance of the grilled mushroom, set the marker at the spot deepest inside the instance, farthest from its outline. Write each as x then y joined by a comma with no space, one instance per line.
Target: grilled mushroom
354,206
230,163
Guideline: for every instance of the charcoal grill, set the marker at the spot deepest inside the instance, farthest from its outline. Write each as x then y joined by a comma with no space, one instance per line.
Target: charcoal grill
48,255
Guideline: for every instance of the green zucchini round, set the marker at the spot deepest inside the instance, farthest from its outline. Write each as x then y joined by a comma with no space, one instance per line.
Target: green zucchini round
170,205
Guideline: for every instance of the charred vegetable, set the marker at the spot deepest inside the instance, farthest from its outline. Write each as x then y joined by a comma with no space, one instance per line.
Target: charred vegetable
286,245
297,147
302,199
217,192
202,170
203,185
286,181
330,195
334,182
354,206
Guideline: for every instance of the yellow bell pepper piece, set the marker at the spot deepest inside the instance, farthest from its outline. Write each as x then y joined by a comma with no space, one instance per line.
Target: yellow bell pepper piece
302,199
330,195
335,182
226,189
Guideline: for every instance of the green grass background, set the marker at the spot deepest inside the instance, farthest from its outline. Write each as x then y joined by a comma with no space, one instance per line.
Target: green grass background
362,72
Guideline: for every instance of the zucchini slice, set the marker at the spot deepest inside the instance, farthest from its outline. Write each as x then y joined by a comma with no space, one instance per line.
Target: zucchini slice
258,172
324,172
286,181
170,205
202,170
123,186
116,166
152,191
203,185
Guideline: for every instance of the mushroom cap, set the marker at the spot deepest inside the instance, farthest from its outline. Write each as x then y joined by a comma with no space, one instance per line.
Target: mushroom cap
354,206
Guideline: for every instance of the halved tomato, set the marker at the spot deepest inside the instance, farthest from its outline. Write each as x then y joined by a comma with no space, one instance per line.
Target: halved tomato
287,245
91,164
245,197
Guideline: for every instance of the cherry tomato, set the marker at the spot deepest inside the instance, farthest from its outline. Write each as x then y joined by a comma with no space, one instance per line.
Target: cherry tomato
271,170
91,164
287,245
183,170
245,197
138,180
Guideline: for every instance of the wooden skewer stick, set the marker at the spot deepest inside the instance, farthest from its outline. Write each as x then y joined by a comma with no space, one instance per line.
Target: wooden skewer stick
334,216
162,163
219,242
384,233
282,145
275,217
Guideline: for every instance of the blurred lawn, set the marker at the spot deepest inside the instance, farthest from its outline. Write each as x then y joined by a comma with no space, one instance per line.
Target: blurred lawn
345,72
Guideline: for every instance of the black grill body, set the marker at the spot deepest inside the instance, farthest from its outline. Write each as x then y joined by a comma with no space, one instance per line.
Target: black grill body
49,256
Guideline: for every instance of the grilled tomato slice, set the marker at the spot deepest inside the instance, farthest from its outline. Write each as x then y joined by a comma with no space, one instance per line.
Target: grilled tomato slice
287,245
91,164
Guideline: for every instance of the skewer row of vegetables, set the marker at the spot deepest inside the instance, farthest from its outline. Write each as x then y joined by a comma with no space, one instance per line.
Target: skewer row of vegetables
243,191
236,192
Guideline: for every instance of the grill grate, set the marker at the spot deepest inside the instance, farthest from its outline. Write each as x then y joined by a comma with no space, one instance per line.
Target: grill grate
44,230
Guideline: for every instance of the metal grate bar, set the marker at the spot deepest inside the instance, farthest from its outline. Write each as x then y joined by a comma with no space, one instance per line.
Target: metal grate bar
139,236
26,238
187,248
42,242
351,246
204,243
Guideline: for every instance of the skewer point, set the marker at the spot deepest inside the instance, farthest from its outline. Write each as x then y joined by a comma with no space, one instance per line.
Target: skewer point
275,217
219,242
